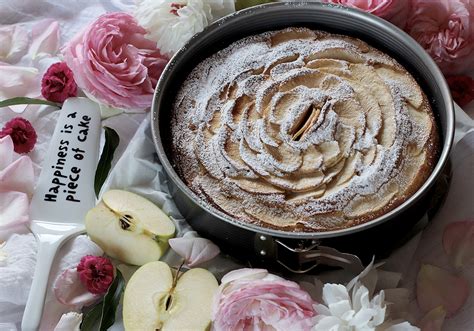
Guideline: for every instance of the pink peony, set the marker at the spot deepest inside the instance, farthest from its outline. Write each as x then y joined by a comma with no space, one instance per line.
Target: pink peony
445,28
114,62
22,133
96,273
394,11
253,299
58,83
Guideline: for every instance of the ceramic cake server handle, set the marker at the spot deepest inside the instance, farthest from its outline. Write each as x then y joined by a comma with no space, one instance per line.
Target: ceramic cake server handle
63,195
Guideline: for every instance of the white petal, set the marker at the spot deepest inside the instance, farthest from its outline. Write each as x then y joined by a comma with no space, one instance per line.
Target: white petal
6,151
69,322
322,309
362,317
18,176
340,308
13,43
70,291
14,208
405,326
45,38
15,81
3,255
329,323
194,250
16,274
333,293
222,8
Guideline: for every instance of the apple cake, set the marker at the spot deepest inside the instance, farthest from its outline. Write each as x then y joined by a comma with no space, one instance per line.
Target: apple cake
302,130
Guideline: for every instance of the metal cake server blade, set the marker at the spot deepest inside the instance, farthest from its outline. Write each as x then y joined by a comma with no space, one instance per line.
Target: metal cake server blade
64,193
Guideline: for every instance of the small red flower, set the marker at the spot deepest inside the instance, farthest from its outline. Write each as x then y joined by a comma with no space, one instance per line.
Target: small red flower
22,133
462,89
58,83
96,273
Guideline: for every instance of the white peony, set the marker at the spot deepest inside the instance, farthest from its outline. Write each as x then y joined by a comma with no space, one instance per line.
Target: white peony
349,308
171,23
346,312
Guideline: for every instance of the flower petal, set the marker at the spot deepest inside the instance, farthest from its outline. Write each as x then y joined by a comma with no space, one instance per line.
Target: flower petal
437,287
404,326
433,320
45,38
458,242
13,42
18,176
69,322
327,323
363,274
6,151
194,250
18,81
244,274
70,291
14,208
16,273
333,293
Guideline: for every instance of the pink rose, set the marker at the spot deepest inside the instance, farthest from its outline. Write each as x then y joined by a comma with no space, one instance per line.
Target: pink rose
96,273
253,299
445,28
394,11
58,83
114,62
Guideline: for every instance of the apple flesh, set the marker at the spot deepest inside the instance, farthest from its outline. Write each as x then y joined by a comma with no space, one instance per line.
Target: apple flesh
151,302
129,227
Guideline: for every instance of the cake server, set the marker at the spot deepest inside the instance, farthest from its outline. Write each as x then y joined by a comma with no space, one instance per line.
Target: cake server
64,193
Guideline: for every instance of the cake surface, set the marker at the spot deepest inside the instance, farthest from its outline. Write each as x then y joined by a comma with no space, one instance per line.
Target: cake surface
302,130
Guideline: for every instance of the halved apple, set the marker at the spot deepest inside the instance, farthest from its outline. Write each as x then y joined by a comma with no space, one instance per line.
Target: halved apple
129,227
152,302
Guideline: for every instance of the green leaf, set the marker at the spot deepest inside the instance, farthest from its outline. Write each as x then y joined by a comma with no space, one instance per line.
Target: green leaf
241,4
91,317
103,313
26,101
111,301
112,140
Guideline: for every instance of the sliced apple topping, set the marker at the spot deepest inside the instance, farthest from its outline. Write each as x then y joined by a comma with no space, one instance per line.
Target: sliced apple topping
129,227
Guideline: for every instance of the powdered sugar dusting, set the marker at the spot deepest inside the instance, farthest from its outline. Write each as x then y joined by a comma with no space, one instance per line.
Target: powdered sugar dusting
301,129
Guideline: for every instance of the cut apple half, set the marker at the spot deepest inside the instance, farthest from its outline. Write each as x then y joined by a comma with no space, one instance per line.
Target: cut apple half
129,227
153,301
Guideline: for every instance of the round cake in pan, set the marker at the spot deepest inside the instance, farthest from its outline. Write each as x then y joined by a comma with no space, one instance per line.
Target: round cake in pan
302,130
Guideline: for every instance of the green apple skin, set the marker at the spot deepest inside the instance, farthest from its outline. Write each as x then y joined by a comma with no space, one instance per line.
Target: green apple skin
143,242
149,289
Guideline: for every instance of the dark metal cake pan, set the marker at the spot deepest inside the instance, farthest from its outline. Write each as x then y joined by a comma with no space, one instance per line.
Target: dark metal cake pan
300,251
